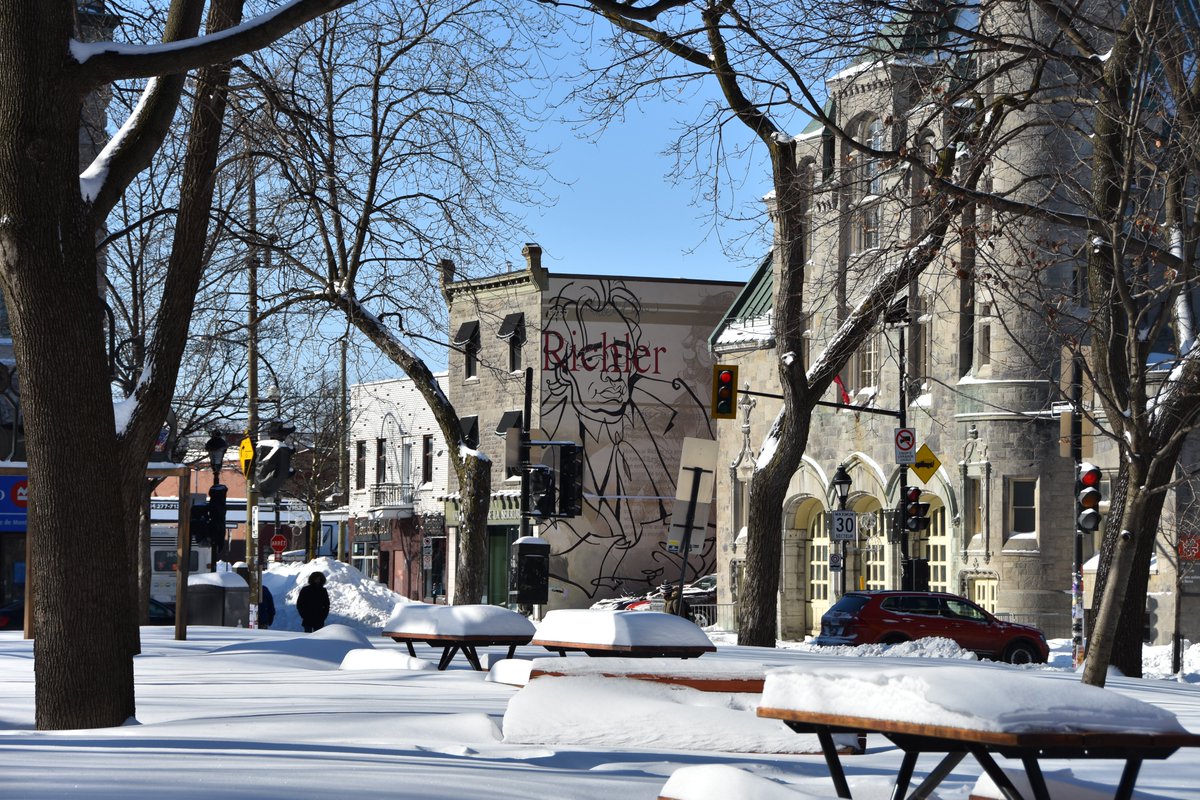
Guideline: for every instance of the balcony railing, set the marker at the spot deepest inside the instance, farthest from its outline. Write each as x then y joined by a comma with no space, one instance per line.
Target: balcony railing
391,494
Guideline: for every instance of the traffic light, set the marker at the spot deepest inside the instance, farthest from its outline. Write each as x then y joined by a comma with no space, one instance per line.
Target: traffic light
570,480
200,527
216,516
1087,497
724,392
272,466
541,490
916,513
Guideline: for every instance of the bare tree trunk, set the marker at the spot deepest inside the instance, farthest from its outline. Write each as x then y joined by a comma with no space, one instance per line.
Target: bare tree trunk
475,483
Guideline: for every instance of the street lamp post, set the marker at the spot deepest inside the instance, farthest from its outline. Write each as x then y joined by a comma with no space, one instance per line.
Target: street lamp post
841,485
216,447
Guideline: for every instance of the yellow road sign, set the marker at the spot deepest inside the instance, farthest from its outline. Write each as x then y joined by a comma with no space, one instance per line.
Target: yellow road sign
926,464
246,455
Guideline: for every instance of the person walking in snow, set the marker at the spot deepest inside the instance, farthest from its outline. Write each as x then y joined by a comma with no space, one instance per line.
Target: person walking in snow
313,603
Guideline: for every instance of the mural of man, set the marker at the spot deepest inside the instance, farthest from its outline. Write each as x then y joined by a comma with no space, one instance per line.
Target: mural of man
621,376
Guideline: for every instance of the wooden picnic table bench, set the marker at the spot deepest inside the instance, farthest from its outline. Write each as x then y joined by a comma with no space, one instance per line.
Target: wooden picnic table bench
1018,715
451,645
1029,747
458,629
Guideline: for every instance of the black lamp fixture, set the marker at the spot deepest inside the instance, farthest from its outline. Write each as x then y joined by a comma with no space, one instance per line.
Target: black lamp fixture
216,447
841,484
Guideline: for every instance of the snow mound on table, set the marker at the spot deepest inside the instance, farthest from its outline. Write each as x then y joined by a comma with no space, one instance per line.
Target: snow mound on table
620,628
976,697
469,620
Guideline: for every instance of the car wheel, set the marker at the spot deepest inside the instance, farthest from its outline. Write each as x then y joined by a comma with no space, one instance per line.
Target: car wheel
894,638
1020,653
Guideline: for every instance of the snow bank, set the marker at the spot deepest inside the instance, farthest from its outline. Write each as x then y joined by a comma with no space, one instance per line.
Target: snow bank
621,712
323,649
355,600
721,782
382,659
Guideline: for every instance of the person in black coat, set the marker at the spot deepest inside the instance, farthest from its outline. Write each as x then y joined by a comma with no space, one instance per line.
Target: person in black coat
266,608
313,603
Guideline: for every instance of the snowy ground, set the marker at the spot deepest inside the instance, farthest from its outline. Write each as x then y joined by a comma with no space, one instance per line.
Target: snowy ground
261,715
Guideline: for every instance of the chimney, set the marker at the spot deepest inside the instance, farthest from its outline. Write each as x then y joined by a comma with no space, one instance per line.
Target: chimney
533,255
446,268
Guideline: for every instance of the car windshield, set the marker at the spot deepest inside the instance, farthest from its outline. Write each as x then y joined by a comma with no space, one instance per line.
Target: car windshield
849,604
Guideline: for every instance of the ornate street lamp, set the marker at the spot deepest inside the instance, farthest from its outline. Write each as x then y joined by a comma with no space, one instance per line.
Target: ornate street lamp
216,447
841,485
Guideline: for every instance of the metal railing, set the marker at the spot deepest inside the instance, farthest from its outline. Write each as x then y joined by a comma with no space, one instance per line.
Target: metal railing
392,494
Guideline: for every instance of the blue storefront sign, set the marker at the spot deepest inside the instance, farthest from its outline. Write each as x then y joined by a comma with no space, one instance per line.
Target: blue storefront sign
14,502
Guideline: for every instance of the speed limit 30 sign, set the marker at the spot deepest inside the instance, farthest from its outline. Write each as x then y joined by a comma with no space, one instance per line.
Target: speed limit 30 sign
844,526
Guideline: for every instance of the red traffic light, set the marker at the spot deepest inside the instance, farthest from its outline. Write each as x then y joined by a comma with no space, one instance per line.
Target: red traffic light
912,494
1087,497
1090,476
724,392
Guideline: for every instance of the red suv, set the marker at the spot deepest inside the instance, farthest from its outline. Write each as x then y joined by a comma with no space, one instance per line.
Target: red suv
893,617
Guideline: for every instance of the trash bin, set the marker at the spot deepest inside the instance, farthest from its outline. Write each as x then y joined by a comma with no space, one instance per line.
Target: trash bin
218,598
530,571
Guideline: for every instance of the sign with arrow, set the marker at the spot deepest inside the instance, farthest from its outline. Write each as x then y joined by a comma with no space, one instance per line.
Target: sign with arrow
246,456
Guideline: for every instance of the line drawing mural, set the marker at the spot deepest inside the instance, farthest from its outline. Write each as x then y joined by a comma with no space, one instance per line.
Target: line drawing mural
625,372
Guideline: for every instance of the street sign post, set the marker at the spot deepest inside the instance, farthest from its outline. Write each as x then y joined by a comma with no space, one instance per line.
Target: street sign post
906,445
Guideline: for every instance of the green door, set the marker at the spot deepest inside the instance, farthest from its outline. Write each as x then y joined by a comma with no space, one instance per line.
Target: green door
500,539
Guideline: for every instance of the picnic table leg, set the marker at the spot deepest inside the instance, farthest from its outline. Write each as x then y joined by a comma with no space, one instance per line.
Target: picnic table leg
937,775
998,777
512,650
1128,778
1037,781
411,651
472,656
825,737
904,776
447,654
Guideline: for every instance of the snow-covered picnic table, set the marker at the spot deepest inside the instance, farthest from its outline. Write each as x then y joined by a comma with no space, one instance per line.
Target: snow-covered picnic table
458,628
638,634
976,710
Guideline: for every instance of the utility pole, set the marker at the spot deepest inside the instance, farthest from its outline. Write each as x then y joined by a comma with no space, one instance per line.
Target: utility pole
1078,644
343,545
252,399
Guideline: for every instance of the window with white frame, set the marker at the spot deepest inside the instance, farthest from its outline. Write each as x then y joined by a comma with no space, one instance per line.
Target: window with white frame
867,365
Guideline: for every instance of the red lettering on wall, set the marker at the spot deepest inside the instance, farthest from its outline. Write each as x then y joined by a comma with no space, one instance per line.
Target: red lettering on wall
616,355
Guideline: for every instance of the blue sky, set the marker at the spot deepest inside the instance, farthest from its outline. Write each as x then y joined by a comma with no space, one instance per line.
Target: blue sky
623,216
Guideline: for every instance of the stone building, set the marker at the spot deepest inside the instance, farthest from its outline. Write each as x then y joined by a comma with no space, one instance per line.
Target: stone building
982,387
620,366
